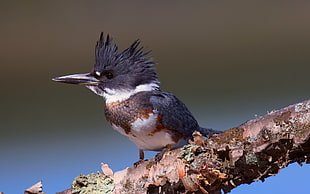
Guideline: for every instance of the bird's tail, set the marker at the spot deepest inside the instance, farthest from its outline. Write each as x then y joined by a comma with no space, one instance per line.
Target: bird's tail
208,131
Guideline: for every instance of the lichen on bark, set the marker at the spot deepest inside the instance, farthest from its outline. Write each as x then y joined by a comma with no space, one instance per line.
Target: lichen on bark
97,183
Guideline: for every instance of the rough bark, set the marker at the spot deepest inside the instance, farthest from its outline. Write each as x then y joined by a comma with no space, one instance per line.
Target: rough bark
253,151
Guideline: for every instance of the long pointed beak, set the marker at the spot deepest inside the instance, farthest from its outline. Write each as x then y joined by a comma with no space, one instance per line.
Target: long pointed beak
81,79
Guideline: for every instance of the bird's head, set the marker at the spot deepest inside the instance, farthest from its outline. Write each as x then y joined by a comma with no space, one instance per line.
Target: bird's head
116,76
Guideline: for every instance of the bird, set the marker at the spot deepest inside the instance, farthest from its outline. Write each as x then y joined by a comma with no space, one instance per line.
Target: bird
135,106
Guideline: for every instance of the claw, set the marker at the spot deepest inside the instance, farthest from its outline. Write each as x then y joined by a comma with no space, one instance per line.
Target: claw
138,163
160,155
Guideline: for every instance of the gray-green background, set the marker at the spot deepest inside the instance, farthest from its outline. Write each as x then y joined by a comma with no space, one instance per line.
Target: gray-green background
229,61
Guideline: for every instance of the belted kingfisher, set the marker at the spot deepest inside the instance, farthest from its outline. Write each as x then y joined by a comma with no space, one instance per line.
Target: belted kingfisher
135,106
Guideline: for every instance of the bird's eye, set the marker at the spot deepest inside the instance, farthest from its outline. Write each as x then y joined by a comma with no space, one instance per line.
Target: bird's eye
109,74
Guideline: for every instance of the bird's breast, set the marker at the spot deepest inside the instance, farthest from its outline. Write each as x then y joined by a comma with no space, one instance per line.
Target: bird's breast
143,126
125,113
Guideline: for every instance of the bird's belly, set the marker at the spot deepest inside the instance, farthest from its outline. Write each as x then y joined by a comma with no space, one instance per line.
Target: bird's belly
153,142
146,134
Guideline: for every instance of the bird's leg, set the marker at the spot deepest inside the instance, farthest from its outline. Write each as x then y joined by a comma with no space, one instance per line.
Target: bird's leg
141,154
141,158
160,155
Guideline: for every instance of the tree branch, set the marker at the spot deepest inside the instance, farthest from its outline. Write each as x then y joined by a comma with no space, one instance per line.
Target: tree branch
253,151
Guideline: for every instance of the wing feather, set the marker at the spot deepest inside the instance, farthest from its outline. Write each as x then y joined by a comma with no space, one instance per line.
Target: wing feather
174,113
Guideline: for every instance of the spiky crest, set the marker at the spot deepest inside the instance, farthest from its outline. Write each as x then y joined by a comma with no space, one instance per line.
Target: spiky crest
133,61
106,54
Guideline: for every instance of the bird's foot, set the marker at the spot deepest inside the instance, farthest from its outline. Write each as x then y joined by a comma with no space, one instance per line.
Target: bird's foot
141,158
161,154
138,162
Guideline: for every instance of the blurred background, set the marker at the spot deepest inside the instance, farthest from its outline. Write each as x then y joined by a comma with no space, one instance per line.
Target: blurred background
229,62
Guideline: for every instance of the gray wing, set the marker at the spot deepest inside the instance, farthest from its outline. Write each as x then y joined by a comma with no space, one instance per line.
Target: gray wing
174,113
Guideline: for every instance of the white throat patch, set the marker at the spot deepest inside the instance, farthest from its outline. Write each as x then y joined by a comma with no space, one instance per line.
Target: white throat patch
112,95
